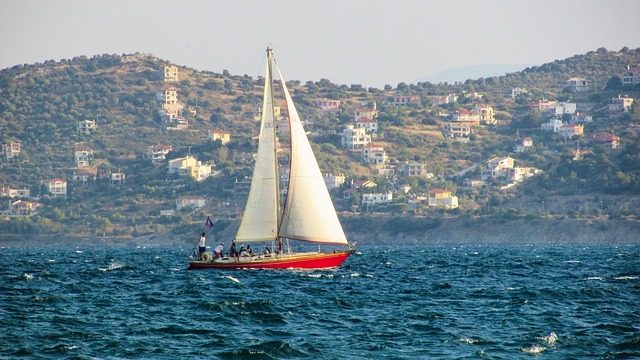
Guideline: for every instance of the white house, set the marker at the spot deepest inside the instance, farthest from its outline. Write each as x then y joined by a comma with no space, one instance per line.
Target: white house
577,84
374,199
371,126
631,76
334,180
515,92
117,177
11,150
497,167
374,154
83,157
157,153
57,187
354,138
195,202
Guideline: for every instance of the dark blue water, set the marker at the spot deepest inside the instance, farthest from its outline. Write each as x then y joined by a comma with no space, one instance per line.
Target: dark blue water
406,302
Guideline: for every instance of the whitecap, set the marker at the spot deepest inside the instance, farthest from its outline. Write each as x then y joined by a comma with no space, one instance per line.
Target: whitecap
625,278
231,278
535,349
315,275
79,251
468,341
28,276
573,261
113,266
550,339
594,278
355,275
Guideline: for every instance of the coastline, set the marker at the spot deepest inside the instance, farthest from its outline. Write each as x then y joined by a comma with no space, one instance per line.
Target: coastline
371,231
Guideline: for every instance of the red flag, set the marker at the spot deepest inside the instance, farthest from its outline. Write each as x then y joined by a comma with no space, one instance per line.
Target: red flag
209,223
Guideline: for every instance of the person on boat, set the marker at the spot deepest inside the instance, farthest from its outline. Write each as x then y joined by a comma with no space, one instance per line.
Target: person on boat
201,246
249,250
267,251
233,252
244,252
217,251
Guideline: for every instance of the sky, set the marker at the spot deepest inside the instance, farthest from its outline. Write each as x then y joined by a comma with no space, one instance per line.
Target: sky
369,42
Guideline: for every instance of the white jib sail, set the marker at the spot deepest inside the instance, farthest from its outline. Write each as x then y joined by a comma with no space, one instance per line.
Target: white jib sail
260,219
309,214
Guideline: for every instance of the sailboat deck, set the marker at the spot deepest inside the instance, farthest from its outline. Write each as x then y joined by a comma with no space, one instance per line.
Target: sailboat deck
263,261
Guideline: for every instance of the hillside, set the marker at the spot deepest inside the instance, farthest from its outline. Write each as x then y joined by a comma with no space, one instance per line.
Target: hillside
42,104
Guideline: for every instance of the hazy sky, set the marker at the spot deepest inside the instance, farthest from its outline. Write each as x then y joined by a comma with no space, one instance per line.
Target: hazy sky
369,42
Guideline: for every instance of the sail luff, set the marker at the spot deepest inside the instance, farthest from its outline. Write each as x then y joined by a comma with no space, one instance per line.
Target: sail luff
308,212
261,215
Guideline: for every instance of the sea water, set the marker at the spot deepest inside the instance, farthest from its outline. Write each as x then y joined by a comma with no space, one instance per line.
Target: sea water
403,302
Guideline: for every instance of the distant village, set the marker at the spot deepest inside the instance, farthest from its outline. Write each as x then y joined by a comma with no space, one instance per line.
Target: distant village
359,137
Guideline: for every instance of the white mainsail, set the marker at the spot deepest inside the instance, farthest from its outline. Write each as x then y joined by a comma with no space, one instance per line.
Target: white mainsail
308,214
260,219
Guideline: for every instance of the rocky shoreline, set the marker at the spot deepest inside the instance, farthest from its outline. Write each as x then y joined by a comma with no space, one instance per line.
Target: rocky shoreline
454,231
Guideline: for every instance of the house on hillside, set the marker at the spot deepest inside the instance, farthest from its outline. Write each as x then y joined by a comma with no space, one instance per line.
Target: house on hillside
523,144
515,92
84,175
23,208
9,192
497,167
11,150
485,114
403,100
83,157
56,187
334,181
414,168
87,127
222,135
441,198
456,130
619,105
571,130
374,155
363,184
581,118
117,178
607,139
553,124
370,113
179,166
445,99
170,73
354,138
370,126
466,116
631,76
157,153
377,199
194,202
577,84
328,105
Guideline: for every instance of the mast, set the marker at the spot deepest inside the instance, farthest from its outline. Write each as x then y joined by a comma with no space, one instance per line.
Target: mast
275,137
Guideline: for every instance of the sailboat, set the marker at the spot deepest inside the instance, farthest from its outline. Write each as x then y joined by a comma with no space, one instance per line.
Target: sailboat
306,214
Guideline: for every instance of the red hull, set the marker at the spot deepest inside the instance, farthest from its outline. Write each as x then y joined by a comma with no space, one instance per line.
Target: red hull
315,261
